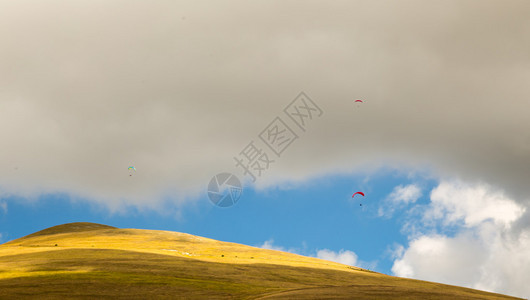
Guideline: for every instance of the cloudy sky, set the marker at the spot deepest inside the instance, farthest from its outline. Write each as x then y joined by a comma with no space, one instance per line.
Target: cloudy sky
180,89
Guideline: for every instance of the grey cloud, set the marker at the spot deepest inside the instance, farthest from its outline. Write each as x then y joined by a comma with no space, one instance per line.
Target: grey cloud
179,88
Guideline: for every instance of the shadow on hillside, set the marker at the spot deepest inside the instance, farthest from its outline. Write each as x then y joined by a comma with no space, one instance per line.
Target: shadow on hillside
107,273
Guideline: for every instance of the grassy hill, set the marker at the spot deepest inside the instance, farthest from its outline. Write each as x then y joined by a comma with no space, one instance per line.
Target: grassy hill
87,260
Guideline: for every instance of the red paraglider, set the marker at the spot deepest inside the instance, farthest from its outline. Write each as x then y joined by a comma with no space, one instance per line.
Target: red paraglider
359,101
360,193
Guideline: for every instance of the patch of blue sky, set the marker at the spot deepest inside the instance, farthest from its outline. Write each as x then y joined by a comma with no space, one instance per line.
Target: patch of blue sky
306,217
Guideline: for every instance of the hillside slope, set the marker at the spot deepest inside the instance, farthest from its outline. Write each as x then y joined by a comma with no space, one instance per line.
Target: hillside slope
87,260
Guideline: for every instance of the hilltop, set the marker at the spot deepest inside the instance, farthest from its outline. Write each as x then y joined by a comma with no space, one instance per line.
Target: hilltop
89,260
69,228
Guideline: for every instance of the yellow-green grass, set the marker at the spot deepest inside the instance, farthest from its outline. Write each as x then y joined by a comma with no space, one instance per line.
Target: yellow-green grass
98,261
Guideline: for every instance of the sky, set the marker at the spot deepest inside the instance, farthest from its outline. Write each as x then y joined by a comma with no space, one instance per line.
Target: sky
187,90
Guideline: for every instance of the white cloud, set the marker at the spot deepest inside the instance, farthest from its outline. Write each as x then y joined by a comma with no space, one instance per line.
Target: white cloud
346,257
398,198
456,201
3,206
269,244
406,194
484,253
442,259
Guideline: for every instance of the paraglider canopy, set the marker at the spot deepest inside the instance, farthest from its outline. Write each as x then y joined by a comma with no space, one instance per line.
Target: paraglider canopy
131,168
359,101
360,193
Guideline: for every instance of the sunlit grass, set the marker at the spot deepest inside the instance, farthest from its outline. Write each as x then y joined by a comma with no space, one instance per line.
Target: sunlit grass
103,262
30,273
